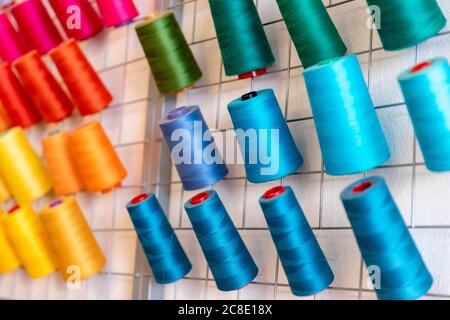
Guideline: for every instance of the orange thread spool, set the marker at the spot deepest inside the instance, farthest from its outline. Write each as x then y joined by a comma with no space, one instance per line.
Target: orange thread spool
50,99
61,164
89,92
97,161
5,123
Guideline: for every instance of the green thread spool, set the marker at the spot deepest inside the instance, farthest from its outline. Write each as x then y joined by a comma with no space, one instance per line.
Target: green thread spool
243,43
406,23
314,35
171,60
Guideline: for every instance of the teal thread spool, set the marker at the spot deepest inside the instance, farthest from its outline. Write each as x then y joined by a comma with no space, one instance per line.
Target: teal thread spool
243,43
314,35
405,24
168,54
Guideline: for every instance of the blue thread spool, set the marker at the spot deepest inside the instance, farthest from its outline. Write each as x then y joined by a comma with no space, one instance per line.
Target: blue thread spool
304,263
426,88
195,170
385,241
228,258
260,112
164,253
350,134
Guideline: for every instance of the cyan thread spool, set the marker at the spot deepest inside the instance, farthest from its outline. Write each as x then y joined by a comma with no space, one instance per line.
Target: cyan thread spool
426,88
304,263
266,144
164,253
228,258
350,135
396,266
194,153
243,43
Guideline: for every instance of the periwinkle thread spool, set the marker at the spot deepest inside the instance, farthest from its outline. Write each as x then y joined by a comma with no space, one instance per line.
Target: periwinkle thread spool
385,242
164,252
304,263
13,45
314,35
350,134
116,13
405,24
228,258
243,43
194,153
426,88
259,113
171,60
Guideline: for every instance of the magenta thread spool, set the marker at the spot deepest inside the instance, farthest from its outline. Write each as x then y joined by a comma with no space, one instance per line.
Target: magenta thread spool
116,13
12,44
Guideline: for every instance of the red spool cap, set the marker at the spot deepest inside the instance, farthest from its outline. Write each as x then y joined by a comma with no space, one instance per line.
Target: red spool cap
200,198
140,198
362,187
253,74
421,66
14,209
274,192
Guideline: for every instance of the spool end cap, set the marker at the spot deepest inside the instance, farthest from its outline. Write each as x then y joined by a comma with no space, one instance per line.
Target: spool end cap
274,192
421,66
253,74
362,187
140,198
200,198
177,113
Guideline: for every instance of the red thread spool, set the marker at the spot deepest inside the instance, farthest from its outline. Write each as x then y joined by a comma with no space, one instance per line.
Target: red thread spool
421,66
200,198
253,74
12,43
274,192
117,12
140,198
20,108
50,99
89,93
362,187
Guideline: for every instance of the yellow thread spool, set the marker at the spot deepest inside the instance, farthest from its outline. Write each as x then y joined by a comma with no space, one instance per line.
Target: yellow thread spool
5,195
78,253
21,169
8,258
28,237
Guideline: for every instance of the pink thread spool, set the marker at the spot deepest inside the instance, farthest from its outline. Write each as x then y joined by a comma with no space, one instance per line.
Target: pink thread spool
12,44
36,26
89,21
117,12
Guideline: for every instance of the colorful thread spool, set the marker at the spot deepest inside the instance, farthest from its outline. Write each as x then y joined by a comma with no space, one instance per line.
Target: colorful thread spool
30,241
405,24
162,248
8,257
171,60
314,35
77,251
426,88
19,106
21,169
89,93
385,242
350,134
97,161
36,26
78,18
304,263
50,99
58,153
228,258
5,195
257,114
186,133
5,122
13,45
117,12
243,43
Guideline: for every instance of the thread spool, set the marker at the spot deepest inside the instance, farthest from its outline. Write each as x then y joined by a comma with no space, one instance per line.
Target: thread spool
171,60
8,257
258,112
314,35
13,45
89,93
162,248
116,13
385,242
5,122
72,240
228,258
82,26
50,99
426,88
350,134
60,159
19,106
304,263
5,195
405,24
36,26
198,163
243,43
96,159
